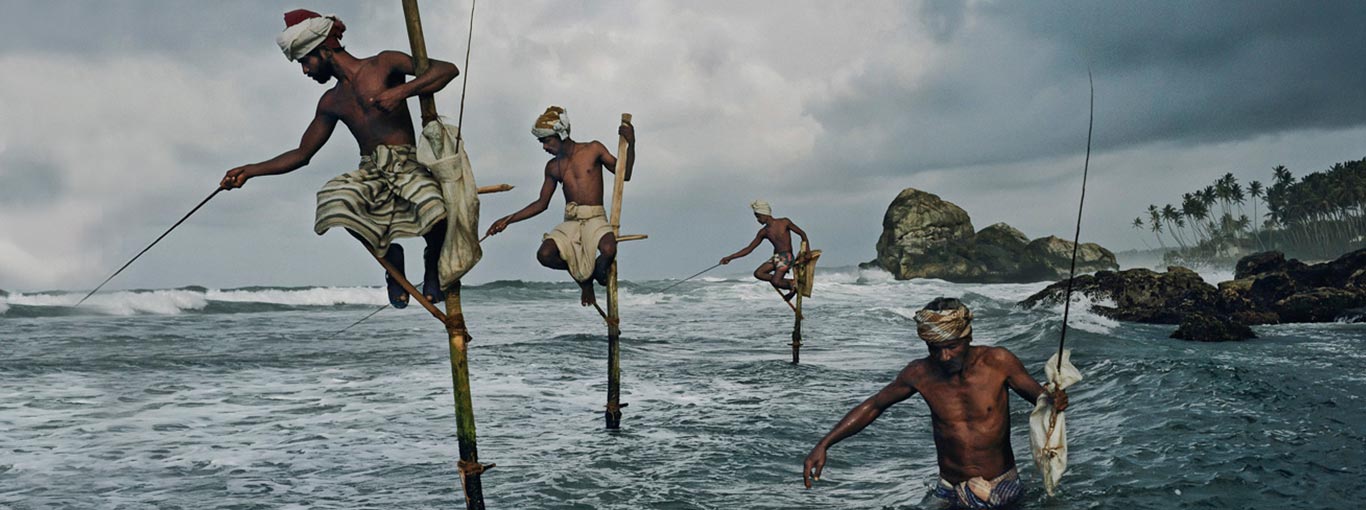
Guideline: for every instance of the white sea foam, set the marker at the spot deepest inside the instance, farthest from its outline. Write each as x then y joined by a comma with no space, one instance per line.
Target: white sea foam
1081,317
121,303
315,296
170,302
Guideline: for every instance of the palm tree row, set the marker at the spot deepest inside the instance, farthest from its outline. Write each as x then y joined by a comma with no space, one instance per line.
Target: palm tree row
1319,216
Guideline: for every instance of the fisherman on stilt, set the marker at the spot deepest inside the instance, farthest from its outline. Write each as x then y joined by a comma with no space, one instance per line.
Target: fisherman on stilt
965,388
584,244
778,232
390,196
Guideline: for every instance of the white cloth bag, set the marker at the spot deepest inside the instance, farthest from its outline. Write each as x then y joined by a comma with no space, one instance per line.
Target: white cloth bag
436,150
1047,437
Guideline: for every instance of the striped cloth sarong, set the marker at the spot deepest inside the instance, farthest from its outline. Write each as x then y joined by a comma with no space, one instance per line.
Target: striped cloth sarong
389,197
980,493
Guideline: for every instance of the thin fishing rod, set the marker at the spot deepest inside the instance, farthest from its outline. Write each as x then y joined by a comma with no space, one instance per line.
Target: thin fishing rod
464,82
154,243
680,282
362,319
1076,238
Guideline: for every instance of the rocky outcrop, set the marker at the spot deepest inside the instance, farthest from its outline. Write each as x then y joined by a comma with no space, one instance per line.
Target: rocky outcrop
1267,289
1135,295
924,236
1203,327
1050,258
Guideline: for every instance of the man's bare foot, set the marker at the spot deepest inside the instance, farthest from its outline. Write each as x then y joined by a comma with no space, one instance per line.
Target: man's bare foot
587,298
790,295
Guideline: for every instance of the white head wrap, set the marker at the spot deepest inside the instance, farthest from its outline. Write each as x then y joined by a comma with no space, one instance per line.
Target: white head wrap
761,207
555,121
296,41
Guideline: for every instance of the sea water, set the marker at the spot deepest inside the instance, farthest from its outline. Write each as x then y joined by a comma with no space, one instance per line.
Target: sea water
248,398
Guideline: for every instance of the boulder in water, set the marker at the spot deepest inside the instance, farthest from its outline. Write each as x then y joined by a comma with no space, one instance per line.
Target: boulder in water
924,236
1136,295
1205,327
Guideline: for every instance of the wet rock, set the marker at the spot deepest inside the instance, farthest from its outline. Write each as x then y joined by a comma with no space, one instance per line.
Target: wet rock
1206,327
1136,295
924,236
1259,263
1318,305
1050,258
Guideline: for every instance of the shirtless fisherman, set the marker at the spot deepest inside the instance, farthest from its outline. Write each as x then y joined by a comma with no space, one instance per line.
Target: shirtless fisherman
778,231
965,387
585,233
390,196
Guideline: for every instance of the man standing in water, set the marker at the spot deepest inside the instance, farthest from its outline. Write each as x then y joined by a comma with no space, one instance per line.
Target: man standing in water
778,232
391,196
965,387
584,244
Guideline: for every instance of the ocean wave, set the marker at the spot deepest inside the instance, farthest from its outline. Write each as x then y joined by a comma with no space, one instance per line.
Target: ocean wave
187,299
1080,315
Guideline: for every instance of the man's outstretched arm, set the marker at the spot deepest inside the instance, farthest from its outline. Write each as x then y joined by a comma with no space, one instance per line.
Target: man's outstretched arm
314,137
758,238
540,205
854,422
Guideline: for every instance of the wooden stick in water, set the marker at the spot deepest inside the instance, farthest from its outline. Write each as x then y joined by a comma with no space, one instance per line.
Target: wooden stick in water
613,413
470,469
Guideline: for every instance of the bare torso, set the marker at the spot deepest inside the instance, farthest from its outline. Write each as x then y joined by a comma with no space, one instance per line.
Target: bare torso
779,233
371,126
580,172
970,412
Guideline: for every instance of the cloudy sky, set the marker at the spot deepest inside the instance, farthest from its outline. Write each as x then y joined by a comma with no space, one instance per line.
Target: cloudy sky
117,117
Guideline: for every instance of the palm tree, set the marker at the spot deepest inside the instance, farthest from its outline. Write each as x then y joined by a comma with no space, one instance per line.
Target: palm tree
1254,189
1138,225
1170,215
1155,224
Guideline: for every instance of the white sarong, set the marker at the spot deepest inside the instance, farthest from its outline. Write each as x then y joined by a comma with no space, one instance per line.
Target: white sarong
577,238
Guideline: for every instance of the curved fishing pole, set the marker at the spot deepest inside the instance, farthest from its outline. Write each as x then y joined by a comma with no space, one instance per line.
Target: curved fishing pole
154,243
1076,238
680,282
464,82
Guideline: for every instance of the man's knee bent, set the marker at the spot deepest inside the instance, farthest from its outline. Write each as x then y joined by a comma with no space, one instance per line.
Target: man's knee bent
548,255
607,246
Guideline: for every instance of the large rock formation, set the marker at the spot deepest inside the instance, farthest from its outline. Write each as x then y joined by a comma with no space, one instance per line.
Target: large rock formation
1267,289
924,236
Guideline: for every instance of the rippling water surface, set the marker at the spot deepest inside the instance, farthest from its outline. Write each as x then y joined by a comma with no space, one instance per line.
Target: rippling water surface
201,398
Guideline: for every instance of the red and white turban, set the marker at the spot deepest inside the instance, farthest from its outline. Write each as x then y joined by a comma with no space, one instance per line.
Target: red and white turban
305,30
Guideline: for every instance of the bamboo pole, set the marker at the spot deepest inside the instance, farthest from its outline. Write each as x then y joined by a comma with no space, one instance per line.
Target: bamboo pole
458,337
496,188
613,413
797,322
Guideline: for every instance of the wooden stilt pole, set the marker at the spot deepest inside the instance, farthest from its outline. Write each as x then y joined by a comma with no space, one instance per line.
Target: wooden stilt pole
613,413
797,322
797,332
458,336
